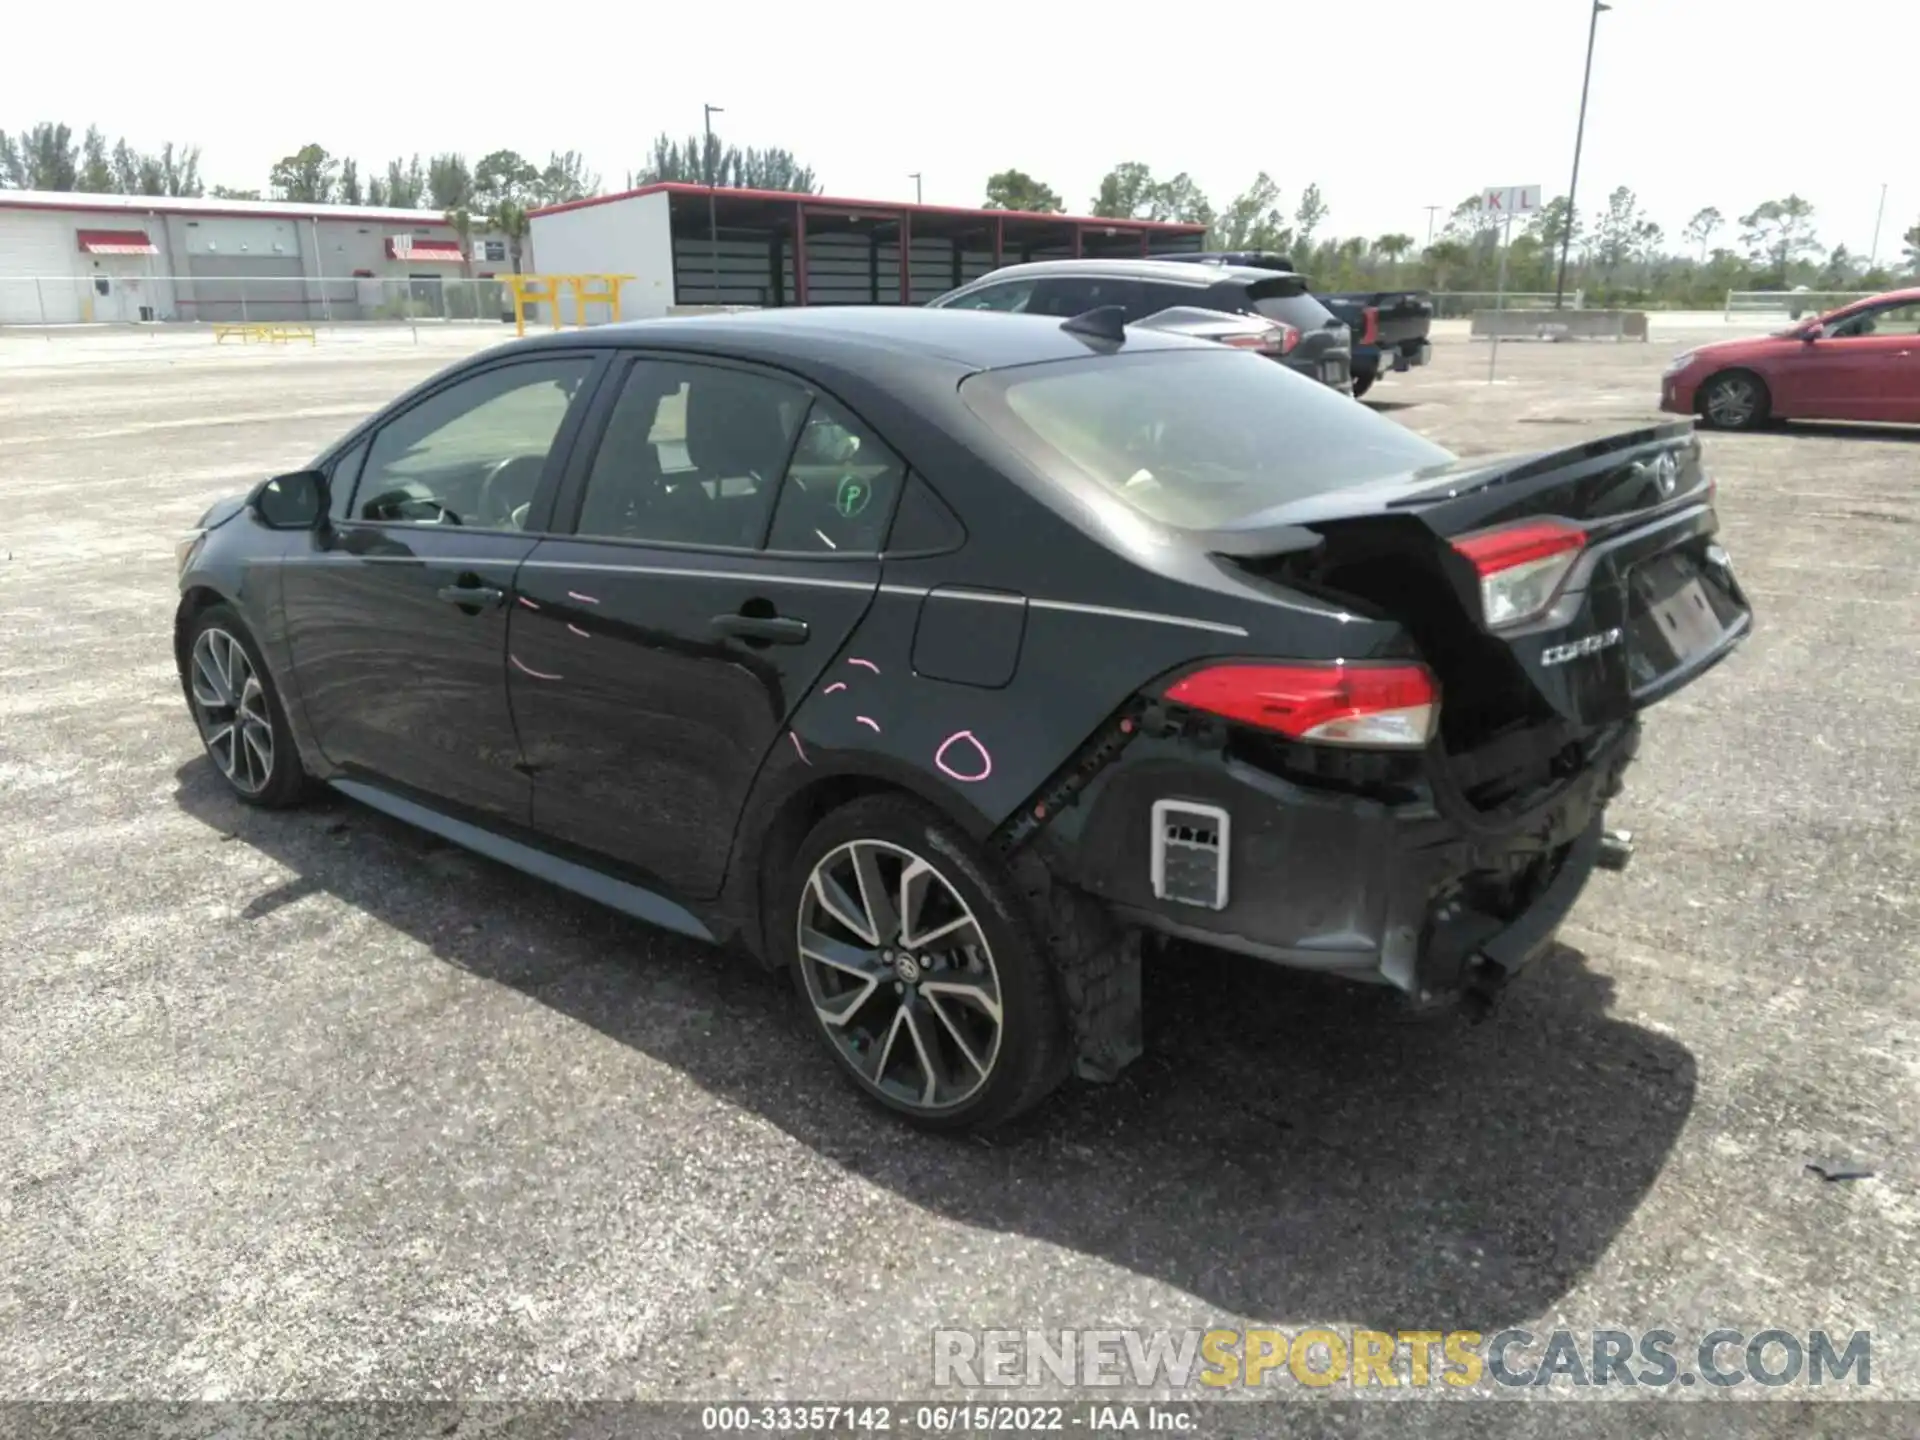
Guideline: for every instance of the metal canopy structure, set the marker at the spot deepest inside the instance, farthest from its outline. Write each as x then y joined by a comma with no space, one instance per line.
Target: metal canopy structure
774,248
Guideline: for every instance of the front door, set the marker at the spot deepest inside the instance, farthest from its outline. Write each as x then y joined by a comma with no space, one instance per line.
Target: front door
397,613
728,529
1873,364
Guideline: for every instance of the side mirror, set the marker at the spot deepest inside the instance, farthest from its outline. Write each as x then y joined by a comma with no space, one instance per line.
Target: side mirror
1812,333
292,502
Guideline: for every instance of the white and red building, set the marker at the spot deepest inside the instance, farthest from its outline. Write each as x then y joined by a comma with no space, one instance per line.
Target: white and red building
70,258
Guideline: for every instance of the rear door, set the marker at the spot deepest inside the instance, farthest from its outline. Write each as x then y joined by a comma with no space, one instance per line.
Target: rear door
726,527
396,613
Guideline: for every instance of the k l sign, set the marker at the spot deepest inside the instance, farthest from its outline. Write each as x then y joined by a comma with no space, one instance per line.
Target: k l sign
1504,202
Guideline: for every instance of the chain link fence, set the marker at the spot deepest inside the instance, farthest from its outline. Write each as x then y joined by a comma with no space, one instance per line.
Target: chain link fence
139,299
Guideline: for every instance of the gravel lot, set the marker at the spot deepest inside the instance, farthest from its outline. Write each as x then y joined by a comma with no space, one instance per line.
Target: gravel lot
314,1106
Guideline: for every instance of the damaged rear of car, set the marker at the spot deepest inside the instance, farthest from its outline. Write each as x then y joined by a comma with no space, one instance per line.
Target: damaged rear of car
1401,774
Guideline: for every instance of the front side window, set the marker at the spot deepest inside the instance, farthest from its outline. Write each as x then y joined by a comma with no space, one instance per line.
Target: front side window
1887,320
474,453
840,489
692,455
1195,439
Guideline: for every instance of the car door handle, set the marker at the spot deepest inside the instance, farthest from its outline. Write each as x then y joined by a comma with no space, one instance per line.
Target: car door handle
770,629
473,597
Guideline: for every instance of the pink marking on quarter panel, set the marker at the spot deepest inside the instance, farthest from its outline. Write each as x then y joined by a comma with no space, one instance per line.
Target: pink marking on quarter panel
800,749
871,725
836,685
527,669
576,630
583,599
984,767
864,664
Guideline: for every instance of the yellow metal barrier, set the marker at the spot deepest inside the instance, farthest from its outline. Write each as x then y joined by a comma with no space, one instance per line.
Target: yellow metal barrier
595,289
264,332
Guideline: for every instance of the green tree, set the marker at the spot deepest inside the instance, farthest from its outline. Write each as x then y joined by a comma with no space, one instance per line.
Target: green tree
505,183
403,186
1779,233
1551,223
222,192
1393,248
1704,225
1311,214
449,182
1181,198
1126,193
1253,220
565,177
1447,257
350,192
703,160
1017,190
44,157
309,176
1623,233
96,169
1911,251
461,219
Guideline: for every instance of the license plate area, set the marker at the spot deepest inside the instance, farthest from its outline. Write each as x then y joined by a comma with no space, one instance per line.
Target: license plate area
1333,372
1678,611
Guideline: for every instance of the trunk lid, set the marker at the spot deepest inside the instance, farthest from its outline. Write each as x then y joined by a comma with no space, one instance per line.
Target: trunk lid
1649,603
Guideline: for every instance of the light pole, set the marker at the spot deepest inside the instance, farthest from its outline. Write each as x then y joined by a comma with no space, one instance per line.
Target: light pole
1873,255
915,178
1430,213
1573,185
713,221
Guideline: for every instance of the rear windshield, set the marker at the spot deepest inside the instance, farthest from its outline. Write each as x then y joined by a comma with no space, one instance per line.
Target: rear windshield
1288,302
1195,439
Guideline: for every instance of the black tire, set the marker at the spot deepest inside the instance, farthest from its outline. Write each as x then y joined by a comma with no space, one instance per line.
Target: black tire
1028,1057
1362,382
1734,400
285,780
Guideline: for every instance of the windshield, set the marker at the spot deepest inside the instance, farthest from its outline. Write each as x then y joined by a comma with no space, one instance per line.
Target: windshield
1196,439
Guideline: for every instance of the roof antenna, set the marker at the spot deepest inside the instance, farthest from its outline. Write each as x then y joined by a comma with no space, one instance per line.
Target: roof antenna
1103,322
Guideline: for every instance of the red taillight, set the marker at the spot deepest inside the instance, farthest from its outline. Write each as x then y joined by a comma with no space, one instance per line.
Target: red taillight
1277,338
1393,706
1521,566
1370,332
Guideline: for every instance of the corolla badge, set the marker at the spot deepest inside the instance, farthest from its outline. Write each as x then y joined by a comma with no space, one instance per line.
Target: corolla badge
1586,645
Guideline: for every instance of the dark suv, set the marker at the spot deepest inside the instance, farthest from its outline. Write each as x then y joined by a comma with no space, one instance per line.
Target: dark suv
1309,337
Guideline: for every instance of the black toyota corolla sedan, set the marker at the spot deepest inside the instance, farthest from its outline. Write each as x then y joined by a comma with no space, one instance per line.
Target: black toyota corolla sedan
940,657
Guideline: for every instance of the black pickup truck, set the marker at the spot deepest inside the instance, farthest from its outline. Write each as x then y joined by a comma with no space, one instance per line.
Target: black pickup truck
1390,327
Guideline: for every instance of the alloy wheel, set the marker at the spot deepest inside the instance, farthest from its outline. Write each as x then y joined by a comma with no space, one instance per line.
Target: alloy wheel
900,974
230,704
1732,402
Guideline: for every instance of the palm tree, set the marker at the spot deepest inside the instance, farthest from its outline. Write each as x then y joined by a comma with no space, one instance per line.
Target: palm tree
510,219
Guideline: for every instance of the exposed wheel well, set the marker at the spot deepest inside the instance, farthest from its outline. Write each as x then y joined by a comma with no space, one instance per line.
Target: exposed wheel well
196,600
781,836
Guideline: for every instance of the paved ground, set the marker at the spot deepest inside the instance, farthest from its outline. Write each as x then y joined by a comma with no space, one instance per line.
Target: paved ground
311,1105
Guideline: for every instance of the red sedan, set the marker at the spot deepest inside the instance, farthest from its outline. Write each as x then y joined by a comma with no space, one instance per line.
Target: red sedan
1861,362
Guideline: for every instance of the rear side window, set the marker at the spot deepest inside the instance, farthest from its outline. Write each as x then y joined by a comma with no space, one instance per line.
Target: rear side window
1195,439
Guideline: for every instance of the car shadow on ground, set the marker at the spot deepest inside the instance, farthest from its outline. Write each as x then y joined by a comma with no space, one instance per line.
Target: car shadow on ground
1285,1151
1846,430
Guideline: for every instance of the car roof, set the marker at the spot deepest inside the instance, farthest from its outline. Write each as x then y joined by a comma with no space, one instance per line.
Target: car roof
1172,272
963,340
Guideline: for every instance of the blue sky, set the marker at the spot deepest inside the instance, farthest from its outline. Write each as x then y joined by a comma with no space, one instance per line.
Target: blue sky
1390,106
